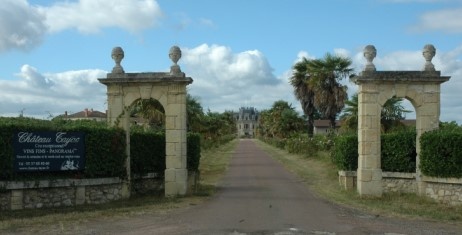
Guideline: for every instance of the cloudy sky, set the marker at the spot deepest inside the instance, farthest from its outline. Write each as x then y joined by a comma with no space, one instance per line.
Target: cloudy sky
238,52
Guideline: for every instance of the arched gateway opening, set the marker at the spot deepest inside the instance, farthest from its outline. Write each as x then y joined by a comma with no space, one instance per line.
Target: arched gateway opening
421,88
123,89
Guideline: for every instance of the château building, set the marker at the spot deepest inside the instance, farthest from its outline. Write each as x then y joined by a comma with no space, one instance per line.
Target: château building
246,122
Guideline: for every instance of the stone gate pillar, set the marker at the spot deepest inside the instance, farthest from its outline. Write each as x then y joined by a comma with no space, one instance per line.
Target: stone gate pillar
421,88
169,88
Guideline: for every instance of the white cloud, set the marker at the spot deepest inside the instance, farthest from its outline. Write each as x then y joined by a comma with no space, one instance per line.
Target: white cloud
447,20
39,94
226,80
24,26
89,16
21,25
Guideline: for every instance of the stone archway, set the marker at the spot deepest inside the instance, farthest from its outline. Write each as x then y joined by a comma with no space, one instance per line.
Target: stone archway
170,90
421,88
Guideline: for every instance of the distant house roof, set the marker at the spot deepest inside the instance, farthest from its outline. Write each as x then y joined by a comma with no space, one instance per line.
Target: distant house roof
408,122
87,113
325,123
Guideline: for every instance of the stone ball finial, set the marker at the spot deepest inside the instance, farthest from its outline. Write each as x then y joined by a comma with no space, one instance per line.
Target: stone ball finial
175,55
428,53
369,53
117,55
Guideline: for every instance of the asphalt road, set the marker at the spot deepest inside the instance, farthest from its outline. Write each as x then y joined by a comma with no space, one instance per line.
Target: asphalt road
258,196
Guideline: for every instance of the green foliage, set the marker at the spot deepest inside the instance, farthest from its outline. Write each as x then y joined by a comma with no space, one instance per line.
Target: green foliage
398,151
441,153
208,142
279,122
104,153
344,154
194,151
104,147
390,118
147,152
302,144
450,127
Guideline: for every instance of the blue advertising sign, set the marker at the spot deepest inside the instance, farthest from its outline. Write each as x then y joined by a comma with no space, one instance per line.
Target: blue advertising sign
48,151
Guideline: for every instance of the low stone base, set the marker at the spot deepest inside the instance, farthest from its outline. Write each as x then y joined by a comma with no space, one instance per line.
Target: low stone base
445,190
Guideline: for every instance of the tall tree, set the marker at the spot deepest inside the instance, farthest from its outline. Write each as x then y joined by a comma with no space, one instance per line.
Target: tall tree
391,114
151,111
325,75
349,116
303,91
280,121
195,114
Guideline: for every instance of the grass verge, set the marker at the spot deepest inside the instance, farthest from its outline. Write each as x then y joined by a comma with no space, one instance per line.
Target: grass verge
320,174
214,163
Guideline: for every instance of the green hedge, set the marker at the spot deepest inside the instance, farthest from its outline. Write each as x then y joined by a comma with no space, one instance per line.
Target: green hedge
104,148
344,154
147,152
194,151
441,153
397,152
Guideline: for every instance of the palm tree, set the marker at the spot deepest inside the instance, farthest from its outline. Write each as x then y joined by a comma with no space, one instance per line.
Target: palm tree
151,110
303,91
349,117
329,94
391,114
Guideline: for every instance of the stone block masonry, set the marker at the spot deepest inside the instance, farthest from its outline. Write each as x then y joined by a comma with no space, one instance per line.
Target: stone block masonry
444,190
19,195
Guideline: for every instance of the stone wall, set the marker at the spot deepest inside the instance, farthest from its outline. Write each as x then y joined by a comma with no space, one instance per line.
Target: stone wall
396,182
17,195
103,193
47,197
5,201
151,182
445,190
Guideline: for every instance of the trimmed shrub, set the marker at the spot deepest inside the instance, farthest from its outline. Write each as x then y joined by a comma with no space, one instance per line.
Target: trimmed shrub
194,151
344,154
104,148
441,153
398,151
147,152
